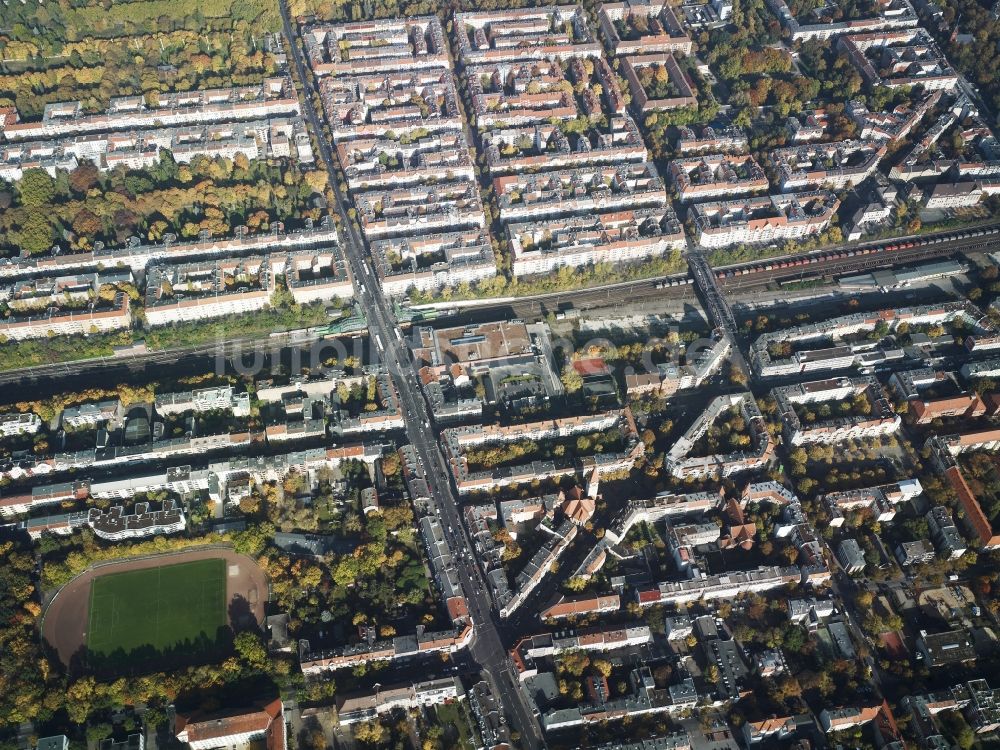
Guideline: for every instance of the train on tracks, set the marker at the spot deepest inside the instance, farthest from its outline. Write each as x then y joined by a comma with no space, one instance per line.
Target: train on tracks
859,257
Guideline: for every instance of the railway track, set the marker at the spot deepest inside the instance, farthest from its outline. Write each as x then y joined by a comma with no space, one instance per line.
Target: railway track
857,258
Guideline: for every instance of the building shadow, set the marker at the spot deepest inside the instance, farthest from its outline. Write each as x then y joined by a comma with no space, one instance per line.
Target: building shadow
241,616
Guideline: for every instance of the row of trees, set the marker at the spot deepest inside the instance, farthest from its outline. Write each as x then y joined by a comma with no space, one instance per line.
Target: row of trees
49,29
206,196
740,253
94,70
283,315
49,408
563,279
82,550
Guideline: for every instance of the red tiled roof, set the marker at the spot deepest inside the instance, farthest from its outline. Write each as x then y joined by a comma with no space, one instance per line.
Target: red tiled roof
591,366
893,644
886,723
769,726
945,407
973,511
457,608
652,595
265,720
565,607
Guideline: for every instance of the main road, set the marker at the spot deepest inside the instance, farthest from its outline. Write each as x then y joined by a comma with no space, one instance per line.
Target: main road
487,647
718,309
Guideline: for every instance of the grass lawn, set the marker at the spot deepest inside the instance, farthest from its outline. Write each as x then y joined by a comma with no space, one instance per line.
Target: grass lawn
157,607
454,716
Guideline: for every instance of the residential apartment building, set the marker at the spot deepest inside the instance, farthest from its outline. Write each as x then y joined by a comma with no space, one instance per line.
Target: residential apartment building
387,416
948,648
599,639
893,125
892,14
409,103
272,97
682,465
428,262
568,197
519,94
378,46
586,189
138,256
78,290
398,648
578,606
202,400
988,368
512,149
62,524
707,139
821,345
140,149
708,588
440,206
367,706
39,497
808,126
682,87
549,32
264,724
320,275
949,196
194,291
834,165
840,719
966,405
663,30
765,219
909,384
717,175
880,501
946,537
644,699
777,729
851,557
874,416
540,564
669,378
19,423
623,236
914,553
54,321
898,58
974,519
925,160
389,95
405,158
223,480
115,524
456,440
90,415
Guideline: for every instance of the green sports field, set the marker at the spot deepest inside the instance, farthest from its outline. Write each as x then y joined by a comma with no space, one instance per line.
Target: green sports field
157,607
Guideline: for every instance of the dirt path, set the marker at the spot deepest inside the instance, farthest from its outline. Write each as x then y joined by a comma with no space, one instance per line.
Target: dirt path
64,625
